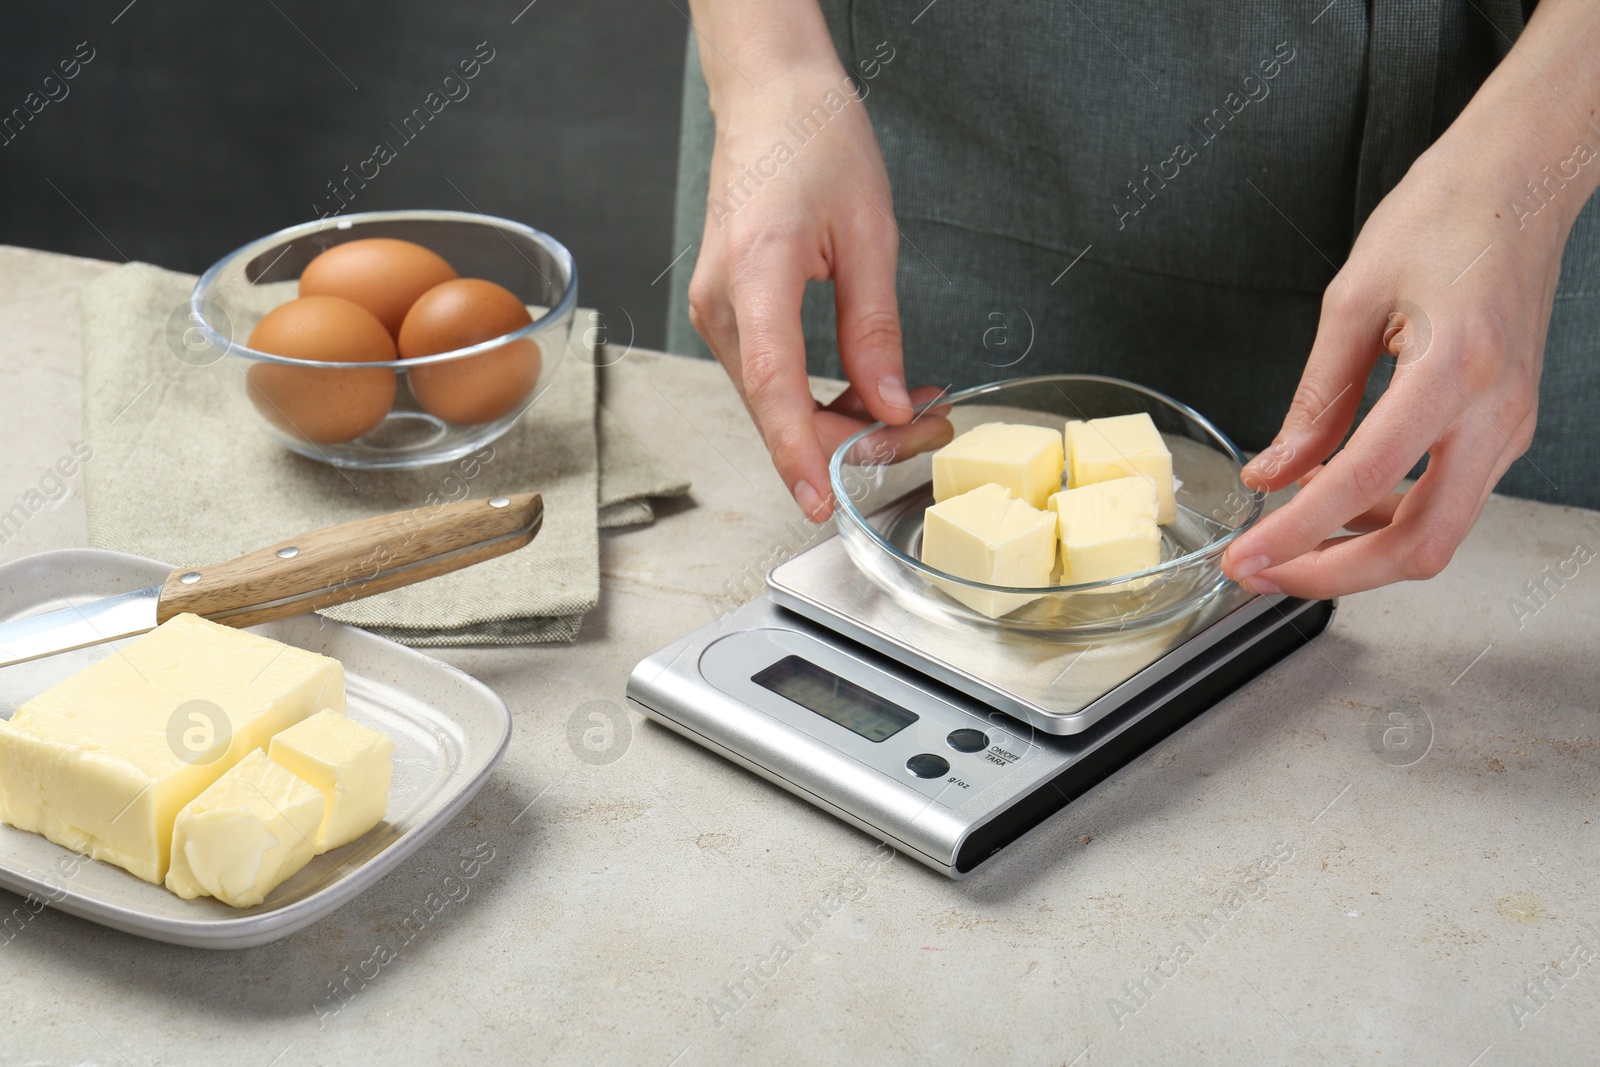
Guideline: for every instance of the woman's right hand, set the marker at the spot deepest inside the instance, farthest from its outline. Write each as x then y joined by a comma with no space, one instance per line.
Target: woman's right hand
799,192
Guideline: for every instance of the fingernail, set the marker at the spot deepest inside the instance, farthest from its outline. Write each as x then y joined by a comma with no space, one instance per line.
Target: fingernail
1264,586
809,499
1250,464
892,391
1266,463
1250,566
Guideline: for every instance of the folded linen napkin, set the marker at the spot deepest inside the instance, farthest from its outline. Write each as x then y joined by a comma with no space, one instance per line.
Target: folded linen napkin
179,472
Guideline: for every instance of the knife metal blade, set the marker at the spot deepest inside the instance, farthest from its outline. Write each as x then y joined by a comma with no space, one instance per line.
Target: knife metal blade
71,628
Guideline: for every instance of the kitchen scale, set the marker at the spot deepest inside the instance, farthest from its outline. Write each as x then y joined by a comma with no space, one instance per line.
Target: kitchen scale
949,743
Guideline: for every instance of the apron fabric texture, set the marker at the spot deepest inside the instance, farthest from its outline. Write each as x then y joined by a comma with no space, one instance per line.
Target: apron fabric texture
1159,192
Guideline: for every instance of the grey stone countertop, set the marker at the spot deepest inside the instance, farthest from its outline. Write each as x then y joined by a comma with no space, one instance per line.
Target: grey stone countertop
1272,884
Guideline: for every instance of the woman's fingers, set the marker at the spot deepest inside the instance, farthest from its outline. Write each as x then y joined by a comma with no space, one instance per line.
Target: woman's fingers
711,313
924,394
1377,517
1349,339
1305,479
772,367
847,416
864,256
832,424
1353,482
824,214
849,402
1399,431
1356,326
1428,523
890,444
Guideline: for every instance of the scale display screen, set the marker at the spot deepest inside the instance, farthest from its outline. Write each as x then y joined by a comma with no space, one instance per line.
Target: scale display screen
843,701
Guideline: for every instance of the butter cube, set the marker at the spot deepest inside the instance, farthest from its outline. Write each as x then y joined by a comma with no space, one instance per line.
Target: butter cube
1122,446
1027,460
1108,529
251,831
352,766
102,762
986,535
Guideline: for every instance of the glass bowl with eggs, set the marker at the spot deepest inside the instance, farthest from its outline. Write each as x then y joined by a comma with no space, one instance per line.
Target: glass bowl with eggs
390,339
1070,507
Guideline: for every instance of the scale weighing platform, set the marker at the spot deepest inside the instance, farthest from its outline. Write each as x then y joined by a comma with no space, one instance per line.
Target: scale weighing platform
949,743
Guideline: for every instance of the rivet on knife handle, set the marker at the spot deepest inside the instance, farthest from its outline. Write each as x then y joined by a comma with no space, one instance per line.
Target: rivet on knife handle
352,560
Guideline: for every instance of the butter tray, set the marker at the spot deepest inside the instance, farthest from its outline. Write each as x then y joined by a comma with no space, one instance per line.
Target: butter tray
449,729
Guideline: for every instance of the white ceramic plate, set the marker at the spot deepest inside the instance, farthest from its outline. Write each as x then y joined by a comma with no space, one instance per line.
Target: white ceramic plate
449,731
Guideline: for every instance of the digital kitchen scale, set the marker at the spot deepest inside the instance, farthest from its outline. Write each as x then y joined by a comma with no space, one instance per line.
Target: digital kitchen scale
950,743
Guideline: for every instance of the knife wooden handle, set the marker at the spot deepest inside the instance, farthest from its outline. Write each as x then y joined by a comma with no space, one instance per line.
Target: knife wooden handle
352,560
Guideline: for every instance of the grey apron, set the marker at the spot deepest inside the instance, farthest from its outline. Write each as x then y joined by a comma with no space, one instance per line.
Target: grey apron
1160,192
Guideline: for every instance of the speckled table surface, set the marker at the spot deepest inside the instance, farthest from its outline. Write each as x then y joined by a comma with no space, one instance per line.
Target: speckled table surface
1279,882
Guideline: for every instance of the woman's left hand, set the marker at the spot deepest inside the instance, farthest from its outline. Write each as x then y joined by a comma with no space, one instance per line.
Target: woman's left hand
1456,283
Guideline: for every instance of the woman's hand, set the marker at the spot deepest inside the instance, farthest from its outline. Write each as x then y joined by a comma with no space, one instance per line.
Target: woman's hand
799,192
1456,282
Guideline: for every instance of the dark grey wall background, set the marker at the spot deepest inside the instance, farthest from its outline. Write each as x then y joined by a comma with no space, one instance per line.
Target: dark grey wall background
198,126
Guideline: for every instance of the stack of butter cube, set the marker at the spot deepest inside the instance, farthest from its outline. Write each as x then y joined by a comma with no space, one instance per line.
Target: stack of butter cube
212,760
1013,502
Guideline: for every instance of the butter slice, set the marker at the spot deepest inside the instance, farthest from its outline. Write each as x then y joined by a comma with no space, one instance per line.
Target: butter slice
102,762
247,834
1027,460
352,766
1108,529
1122,446
986,535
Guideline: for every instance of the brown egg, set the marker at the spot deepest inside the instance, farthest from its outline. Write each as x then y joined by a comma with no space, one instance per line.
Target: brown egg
322,406
383,275
456,314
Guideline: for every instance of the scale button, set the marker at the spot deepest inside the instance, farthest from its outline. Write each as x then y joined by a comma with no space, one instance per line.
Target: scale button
927,765
968,740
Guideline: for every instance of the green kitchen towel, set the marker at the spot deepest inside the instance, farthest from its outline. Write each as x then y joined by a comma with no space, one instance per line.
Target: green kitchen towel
183,474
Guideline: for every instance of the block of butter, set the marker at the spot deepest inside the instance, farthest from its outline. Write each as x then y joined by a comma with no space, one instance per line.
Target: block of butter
1027,460
102,762
1122,446
1108,529
249,832
350,764
986,535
